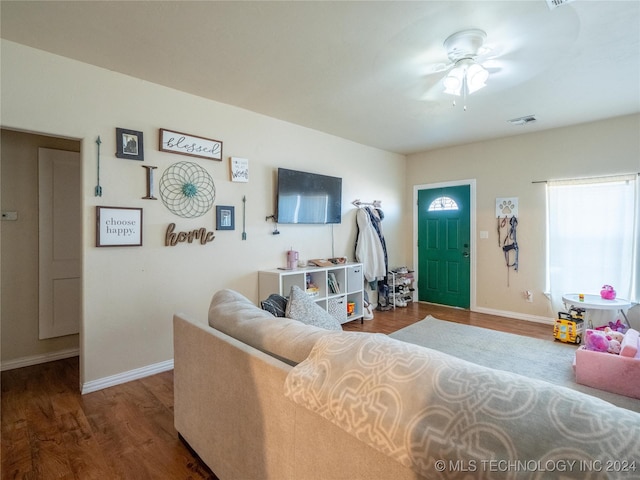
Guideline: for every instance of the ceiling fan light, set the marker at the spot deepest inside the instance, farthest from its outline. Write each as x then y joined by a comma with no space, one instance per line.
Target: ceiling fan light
453,81
476,77
467,76
452,87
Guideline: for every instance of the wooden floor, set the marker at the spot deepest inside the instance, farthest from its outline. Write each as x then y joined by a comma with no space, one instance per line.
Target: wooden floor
392,320
50,431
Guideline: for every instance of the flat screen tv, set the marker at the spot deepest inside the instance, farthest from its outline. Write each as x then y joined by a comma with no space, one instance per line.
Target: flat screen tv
308,197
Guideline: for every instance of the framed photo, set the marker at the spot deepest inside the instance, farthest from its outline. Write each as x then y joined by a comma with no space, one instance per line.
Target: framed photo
239,169
129,144
225,218
118,227
191,145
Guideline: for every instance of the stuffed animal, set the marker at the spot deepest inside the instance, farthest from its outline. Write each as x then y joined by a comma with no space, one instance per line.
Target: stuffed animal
618,326
608,293
613,334
596,341
614,347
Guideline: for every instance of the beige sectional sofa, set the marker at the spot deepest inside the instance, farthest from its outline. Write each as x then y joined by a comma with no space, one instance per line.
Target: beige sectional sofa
260,397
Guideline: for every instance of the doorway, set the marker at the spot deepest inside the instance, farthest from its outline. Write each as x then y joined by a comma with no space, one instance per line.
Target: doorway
19,311
444,222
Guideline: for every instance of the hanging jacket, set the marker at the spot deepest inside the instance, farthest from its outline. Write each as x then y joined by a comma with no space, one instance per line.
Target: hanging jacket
369,250
376,216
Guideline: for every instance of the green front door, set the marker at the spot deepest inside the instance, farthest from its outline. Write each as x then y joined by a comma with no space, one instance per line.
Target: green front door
444,246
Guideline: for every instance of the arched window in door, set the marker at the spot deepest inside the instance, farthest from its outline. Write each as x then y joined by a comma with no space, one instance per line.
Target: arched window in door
443,203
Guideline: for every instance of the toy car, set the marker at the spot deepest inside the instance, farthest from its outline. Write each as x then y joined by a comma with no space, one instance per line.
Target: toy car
569,327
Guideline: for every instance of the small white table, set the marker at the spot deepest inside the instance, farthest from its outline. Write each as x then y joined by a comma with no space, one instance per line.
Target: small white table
596,302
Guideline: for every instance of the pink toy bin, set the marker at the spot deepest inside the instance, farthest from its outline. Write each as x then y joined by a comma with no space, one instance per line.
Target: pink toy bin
609,372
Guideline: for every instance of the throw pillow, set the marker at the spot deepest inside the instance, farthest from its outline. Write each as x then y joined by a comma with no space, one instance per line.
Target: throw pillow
275,304
302,308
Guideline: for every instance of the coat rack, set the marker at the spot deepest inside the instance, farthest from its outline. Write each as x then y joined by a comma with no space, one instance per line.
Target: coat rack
375,203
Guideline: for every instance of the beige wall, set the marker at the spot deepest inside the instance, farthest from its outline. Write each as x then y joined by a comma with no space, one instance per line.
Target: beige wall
19,307
131,293
506,168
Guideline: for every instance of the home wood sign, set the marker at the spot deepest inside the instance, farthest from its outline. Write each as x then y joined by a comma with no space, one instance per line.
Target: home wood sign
190,145
172,238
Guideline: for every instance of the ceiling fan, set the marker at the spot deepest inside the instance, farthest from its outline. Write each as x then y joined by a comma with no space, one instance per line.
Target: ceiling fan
467,70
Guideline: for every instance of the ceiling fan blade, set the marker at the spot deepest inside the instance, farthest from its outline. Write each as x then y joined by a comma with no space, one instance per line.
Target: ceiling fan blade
493,70
437,68
489,52
492,66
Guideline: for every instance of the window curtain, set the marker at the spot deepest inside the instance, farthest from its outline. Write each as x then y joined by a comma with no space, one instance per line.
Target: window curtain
592,237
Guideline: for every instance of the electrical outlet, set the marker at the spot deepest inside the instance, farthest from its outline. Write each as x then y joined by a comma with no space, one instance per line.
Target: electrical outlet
528,294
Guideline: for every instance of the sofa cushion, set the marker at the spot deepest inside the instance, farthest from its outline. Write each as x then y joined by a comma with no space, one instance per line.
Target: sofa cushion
302,308
286,339
275,304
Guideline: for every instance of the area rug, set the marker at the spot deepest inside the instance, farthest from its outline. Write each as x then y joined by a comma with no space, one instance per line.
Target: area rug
534,358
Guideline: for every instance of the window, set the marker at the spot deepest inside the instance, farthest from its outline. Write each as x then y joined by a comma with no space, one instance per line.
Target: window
443,203
592,237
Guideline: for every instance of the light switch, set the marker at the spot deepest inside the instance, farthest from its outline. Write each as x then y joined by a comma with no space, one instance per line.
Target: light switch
9,215
484,234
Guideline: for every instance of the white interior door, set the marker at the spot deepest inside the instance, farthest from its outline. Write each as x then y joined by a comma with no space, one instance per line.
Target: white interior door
59,242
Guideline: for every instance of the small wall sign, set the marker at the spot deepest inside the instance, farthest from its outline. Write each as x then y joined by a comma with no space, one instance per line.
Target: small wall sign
506,207
191,145
118,227
239,169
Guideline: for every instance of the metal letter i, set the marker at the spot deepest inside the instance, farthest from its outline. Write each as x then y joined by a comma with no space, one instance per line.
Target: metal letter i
150,170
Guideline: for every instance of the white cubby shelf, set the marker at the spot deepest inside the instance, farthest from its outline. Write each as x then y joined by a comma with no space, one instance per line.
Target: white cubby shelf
318,282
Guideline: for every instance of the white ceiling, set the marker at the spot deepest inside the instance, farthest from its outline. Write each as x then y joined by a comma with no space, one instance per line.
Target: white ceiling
359,70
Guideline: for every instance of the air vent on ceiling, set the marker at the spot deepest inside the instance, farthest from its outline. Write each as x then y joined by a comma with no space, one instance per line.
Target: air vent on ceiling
557,3
523,120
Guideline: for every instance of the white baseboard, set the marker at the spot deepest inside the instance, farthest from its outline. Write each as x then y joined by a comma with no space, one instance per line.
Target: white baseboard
517,315
125,377
38,359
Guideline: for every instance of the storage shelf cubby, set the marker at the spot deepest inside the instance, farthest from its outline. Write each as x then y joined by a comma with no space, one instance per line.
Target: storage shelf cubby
332,288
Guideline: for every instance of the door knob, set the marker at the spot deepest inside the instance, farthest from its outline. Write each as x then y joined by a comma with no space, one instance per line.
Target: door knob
465,254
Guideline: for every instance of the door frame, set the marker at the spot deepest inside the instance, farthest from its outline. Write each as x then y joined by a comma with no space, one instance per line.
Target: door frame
472,232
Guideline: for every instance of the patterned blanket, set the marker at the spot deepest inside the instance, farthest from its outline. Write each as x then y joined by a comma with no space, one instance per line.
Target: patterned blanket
438,414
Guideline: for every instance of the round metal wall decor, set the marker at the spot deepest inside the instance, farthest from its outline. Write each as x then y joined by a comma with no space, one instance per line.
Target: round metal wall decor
187,190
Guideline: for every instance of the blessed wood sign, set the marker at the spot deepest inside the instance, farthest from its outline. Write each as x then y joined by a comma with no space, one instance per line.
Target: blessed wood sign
191,145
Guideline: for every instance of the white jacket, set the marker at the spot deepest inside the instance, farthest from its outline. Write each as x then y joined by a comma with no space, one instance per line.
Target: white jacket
369,249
